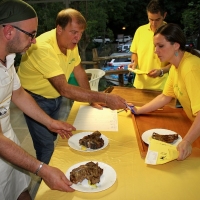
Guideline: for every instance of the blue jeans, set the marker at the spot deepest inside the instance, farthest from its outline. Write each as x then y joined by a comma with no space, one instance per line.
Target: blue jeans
43,139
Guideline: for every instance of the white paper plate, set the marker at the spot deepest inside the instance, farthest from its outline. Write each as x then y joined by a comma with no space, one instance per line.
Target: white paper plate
73,142
107,179
147,134
137,71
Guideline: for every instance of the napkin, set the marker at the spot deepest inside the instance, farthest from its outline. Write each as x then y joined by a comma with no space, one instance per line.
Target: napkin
137,71
160,152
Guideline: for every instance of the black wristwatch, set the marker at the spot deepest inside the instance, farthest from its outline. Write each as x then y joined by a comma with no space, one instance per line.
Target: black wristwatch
161,72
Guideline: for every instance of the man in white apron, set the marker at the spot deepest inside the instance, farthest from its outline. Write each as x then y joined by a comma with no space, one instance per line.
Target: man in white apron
18,26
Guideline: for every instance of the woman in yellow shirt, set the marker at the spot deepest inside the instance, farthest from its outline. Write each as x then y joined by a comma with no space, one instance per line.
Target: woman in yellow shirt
182,83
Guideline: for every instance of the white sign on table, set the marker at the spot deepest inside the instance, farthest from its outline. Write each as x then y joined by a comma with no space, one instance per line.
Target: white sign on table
89,118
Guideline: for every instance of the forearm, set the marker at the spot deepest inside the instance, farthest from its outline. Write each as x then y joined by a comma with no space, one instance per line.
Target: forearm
159,72
29,106
155,104
166,68
134,61
85,95
16,155
81,77
82,94
74,92
134,58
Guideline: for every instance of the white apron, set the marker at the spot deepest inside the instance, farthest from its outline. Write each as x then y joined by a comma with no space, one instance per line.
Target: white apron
13,180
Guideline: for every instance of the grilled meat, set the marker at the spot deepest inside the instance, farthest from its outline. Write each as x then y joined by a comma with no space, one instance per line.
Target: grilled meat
92,141
165,138
90,171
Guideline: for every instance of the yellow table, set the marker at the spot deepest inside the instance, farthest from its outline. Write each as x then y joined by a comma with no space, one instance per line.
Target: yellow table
177,180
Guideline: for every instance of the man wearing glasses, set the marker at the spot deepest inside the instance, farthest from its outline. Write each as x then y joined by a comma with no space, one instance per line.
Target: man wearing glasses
18,26
142,48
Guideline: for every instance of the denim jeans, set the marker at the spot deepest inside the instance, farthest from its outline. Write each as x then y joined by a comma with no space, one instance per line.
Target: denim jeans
43,139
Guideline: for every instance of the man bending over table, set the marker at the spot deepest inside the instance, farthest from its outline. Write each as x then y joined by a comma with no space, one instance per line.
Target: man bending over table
44,72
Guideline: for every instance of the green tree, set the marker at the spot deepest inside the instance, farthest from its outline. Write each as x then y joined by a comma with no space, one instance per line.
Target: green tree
107,17
47,13
97,17
191,19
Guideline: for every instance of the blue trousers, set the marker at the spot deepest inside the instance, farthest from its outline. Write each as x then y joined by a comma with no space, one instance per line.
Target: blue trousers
43,139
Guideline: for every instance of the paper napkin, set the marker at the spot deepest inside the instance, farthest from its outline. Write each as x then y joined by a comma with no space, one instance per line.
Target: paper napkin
160,152
137,71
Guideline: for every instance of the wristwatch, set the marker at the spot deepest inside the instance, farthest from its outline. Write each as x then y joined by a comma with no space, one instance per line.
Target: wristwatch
161,72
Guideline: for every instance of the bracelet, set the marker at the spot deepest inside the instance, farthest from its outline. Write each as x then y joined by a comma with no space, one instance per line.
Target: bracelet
186,141
106,98
161,73
38,169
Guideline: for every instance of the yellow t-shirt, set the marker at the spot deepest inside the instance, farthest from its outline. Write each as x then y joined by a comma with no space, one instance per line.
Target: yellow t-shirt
44,60
183,83
143,46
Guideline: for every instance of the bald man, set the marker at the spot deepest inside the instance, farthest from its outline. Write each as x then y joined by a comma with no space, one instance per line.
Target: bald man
18,27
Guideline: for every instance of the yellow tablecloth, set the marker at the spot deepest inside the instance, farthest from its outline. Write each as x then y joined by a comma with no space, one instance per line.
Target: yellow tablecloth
176,180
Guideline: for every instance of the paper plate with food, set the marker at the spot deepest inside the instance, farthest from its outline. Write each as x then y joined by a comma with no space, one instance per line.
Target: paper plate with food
163,135
88,141
91,176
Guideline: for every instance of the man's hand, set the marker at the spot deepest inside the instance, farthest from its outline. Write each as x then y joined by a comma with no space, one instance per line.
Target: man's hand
62,128
114,102
98,105
55,179
185,149
132,66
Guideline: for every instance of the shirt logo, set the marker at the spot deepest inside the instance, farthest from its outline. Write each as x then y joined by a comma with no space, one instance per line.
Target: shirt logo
72,60
3,111
176,88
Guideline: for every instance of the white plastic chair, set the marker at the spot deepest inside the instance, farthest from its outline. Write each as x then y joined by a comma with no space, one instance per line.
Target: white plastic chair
96,74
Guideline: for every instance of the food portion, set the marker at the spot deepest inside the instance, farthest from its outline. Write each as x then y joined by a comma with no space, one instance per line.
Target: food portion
165,138
90,171
92,141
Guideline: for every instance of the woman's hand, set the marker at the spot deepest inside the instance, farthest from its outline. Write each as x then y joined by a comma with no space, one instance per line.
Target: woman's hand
185,149
133,108
154,73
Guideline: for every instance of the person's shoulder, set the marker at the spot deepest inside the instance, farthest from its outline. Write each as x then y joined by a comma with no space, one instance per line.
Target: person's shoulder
191,61
144,27
45,40
190,56
46,37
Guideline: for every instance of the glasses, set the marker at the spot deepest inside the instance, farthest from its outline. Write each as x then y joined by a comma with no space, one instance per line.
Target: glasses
32,35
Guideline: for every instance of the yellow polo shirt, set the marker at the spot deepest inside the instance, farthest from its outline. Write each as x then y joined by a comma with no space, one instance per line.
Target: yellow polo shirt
143,46
183,83
44,60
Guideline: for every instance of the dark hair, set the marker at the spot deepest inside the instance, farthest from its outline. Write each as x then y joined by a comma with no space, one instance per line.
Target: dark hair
173,33
156,6
67,15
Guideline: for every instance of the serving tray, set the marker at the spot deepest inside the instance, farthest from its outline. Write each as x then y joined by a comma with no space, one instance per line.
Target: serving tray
169,118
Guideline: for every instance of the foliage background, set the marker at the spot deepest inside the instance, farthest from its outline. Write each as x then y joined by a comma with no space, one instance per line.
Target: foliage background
107,17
